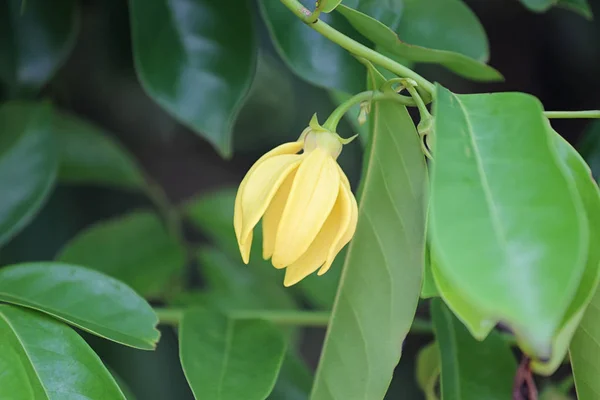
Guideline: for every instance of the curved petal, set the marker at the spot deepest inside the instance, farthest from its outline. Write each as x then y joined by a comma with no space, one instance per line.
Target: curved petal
311,199
286,148
273,214
262,185
324,242
350,228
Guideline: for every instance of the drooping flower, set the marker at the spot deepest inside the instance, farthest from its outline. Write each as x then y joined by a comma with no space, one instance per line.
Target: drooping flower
307,208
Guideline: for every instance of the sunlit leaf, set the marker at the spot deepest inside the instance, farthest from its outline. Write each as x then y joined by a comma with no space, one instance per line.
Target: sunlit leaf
229,359
190,62
471,369
28,163
41,358
380,285
506,222
84,298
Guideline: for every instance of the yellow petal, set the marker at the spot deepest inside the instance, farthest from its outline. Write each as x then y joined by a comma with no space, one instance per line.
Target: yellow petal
286,148
349,223
273,214
324,242
262,185
311,199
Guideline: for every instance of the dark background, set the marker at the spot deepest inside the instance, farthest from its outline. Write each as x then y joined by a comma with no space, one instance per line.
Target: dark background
555,56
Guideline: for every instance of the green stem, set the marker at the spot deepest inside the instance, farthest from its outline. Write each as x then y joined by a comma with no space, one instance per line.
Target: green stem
332,122
355,47
423,111
168,212
573,114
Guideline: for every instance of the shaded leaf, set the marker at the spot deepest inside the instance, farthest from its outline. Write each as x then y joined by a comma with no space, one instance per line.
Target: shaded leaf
471,369
428,369
310,55
35,39
84,298
294,381
220,356
135,249
90,156
41,358
190,63
580,6
421,47
505,218
380,285
28,163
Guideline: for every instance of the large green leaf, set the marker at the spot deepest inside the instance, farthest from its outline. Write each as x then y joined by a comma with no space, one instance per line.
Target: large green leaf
90,156
585,352
416,46
381,281
84,298
310,55
28,163
471,369
229,359
506,222
196,58
41,358
36,36
588,190
135,248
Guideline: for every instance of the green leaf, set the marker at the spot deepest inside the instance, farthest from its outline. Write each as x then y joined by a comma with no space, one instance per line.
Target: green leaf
585,352
506,222
309,54
196,58
428,286
84,298
41,358
471,369
539,5
135,249
294,381
90,156
28,163
229,359
579,6
388,12
588,190
458,43
327,6
36,37
428,369
381,281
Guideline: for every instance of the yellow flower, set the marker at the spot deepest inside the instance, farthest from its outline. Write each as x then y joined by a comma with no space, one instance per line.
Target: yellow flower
307,208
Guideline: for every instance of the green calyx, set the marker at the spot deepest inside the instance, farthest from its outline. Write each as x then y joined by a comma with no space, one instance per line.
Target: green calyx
316,136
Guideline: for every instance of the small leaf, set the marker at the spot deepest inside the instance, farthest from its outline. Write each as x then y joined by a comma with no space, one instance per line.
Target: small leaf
35,39
90,156
428,369
229,359
415,47
327,6
310,55
380,285
84,298
41,358
471,369
135,249
505,218
588,190
28,163
190,61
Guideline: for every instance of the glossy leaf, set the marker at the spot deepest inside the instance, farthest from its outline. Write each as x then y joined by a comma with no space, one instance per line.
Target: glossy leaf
585,352
327,6
471,369
135,249
428,370
310,55
229,359
588,190
36,37
28,163
419,46
91,156
381,281
41,358
84,298
190,63
506,222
